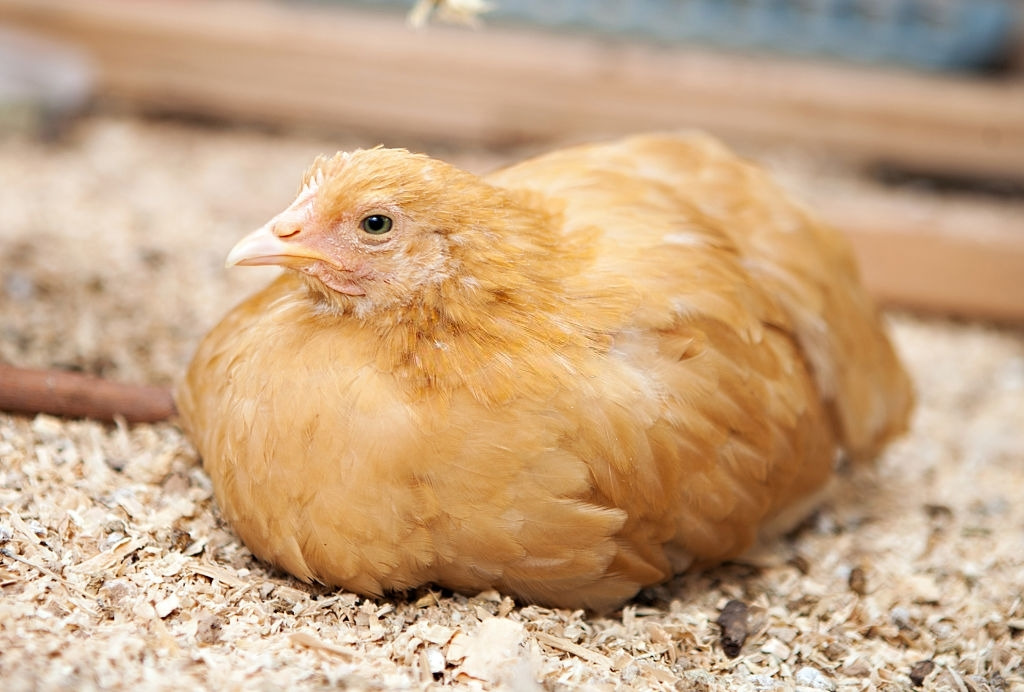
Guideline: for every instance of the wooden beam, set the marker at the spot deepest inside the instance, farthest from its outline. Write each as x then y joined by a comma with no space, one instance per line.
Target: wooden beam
346,69
941,256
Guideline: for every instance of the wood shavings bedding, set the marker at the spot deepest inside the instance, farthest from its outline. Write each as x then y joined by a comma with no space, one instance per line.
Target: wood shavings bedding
116,571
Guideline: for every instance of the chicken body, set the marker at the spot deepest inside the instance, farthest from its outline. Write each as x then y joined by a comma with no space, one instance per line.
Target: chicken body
566,380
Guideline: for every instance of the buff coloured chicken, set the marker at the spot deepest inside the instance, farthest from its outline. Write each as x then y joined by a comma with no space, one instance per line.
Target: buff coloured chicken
565,380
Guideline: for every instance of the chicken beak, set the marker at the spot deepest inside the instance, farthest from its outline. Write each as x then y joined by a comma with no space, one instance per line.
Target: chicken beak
267,245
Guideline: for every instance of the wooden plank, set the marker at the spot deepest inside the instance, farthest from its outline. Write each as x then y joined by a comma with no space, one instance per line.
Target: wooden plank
943,256
296,64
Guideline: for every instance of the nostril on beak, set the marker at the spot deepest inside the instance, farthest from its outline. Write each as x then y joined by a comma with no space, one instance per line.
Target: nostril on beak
286,229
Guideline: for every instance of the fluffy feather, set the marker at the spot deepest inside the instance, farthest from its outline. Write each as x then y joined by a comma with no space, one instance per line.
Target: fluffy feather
566,380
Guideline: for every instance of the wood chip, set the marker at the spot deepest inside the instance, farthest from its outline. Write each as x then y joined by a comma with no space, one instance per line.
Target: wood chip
309,641
220,574
858,581
733,621
920,671
494,646
432,632
108,558
572,648
208,629
434,660
166,606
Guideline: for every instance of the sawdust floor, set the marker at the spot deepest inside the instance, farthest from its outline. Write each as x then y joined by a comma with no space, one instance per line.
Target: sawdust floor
116,571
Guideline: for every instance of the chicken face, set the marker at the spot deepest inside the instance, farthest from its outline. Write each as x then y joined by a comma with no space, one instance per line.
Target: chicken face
356,237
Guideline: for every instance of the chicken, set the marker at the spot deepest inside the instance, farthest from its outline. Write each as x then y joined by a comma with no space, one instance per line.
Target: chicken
566,380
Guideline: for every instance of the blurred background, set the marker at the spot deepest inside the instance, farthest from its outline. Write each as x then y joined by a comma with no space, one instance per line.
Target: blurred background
901,121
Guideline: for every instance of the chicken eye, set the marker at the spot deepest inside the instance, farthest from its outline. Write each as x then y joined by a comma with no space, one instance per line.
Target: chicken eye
376,224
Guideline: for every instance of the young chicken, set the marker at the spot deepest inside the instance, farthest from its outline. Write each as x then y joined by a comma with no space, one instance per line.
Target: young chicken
566,380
